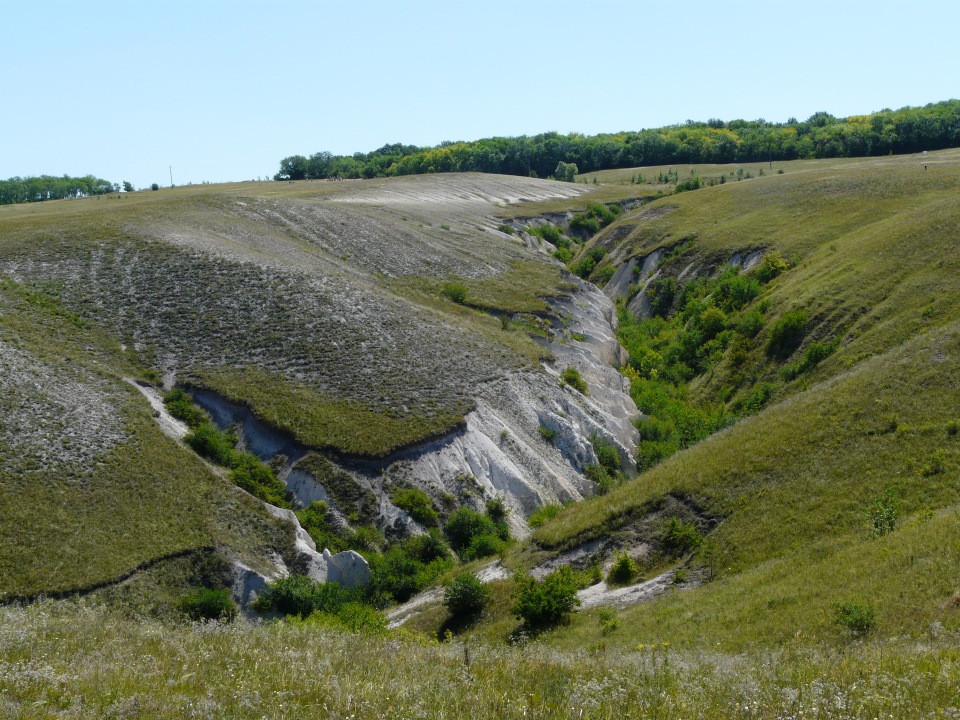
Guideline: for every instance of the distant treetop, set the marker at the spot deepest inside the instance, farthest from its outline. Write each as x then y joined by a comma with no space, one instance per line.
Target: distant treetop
909,129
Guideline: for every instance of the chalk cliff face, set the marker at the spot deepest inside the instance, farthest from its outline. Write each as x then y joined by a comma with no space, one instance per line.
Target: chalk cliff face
501,451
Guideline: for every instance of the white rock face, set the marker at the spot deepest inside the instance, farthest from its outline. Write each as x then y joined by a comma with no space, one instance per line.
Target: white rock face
347,568
503,448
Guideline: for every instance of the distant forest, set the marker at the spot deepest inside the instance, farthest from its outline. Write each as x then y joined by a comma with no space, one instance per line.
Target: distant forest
909,129
48,187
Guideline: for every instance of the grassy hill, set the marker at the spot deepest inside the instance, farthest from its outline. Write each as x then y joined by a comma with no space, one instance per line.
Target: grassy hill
793,408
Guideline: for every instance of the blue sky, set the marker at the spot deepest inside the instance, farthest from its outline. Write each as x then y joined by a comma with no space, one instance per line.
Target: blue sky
223,90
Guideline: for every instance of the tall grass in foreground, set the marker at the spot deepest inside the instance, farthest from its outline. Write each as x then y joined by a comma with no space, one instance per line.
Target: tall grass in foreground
65,660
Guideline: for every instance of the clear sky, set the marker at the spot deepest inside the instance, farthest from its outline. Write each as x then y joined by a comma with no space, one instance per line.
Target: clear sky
223,90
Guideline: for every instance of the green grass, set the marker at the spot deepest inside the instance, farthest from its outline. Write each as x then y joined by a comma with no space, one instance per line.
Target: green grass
92,663
876,270
69,527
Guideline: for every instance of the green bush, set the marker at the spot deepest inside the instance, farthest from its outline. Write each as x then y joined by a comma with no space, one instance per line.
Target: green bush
787,334
457,292
607,453
542,603
464,525
207,604
258,479
180,405
504,228
361,618
465,597
604,274
299,595
680,537
689,184
623,571
884,514
418,505
547,434
812,356
315,519
859,617
486,545
772,265
550,233
584,224
407,568
572,377
541,515
750,324
212,443
563,255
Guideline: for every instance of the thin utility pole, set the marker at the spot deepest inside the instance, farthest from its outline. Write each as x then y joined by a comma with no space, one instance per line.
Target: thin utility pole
171,176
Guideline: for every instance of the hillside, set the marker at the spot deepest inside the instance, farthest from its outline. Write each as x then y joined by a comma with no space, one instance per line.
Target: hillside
764,417
322,310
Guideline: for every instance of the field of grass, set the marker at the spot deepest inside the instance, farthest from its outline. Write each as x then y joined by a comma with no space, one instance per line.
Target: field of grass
87,662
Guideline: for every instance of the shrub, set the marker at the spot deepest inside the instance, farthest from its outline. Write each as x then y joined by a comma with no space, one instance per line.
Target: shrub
315,519
937,464
541,603
571,376
465,597
547,434
154,186
457,292
504,228
180,405
485,545
359,617
207,604
604,274
584,224
541,515
859,617
407,568
212,443
466,524
418,505
680,537
772,265
884,514
257,479
608,620
497,511
750,324
759,397
550,233
299,595
563,255
787,334
607,453
812,356
689,184
624,570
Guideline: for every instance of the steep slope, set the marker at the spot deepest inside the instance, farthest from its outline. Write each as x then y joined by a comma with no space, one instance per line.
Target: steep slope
321,315
788,497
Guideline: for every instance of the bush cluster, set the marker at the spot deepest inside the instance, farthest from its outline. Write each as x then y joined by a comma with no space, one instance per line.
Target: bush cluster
465,597
418,505
542,603
680,537
219,446
208,604
474,535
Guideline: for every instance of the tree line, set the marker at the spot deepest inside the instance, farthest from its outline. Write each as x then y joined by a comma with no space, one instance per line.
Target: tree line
909,129
48,187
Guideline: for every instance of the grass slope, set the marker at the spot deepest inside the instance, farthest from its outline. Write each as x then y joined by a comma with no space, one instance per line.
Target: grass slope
875,246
